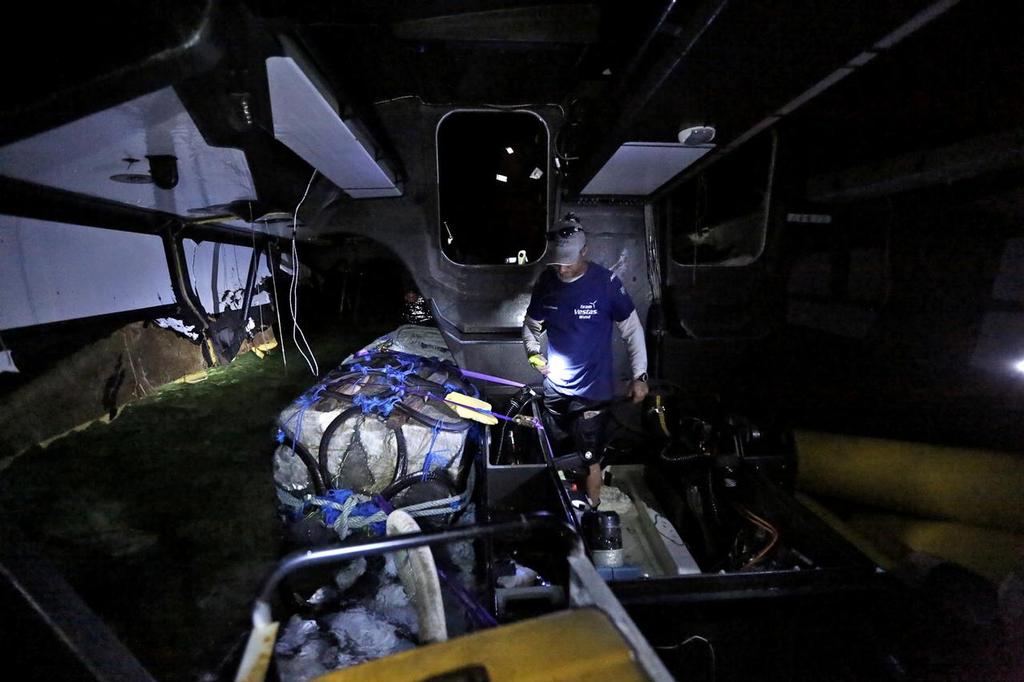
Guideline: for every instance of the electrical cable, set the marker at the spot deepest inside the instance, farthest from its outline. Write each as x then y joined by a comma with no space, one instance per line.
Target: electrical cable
517,405
711,649
293,298
761,523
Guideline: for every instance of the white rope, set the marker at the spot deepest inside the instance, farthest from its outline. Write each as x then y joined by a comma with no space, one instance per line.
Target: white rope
345,523
445,505
293,297
289,500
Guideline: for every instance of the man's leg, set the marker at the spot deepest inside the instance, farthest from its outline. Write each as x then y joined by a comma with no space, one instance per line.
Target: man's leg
594,484
589,432
554,417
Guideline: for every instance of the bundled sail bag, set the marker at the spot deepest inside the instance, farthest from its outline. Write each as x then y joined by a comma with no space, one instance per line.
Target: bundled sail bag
375,432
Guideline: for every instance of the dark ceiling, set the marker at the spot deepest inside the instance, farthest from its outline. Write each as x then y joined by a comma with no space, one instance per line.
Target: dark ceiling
622,71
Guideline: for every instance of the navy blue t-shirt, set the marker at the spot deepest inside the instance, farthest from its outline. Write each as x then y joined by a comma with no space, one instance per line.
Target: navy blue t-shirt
578,317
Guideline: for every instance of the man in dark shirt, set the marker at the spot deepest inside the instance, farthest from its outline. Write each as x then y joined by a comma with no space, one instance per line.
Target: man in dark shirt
575,303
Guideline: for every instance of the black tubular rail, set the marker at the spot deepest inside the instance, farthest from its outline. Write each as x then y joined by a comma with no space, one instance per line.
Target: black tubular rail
408,480
569,517
523,523
325,440
319,472
311,466
454,425
401,465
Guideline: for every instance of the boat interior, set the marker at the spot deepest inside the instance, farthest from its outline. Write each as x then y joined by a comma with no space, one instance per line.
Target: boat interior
265,409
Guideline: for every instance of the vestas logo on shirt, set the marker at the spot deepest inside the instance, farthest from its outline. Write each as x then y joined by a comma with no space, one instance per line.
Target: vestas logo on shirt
585,311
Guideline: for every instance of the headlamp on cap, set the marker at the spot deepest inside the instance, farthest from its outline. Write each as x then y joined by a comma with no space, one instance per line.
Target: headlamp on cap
567,241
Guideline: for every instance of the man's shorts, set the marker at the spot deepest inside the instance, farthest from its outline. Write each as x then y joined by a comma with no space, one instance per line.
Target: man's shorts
571,425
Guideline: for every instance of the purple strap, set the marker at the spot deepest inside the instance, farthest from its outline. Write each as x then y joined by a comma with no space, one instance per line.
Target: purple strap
493,379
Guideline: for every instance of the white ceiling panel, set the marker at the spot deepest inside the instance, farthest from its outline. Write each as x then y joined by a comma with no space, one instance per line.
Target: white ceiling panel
640,168
308,123
83,155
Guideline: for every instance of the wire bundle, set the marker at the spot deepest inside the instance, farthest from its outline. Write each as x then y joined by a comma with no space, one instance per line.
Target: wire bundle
773,534
293,290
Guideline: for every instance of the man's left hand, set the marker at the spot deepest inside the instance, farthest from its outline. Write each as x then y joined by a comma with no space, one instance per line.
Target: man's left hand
638,390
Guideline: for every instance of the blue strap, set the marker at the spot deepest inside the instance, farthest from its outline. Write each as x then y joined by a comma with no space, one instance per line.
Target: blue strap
432,455
362,509
382,405
304,402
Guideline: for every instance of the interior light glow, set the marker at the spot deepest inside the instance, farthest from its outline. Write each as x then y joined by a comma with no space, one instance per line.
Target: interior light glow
1019,366
501,178
559,368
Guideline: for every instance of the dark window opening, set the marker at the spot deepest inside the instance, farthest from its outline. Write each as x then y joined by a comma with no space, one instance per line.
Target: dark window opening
492,169
718,217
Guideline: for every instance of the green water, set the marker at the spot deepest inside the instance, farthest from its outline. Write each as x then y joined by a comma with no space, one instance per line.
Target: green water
165,519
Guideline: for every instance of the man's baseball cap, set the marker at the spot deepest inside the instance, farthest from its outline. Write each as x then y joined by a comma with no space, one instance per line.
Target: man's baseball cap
566,242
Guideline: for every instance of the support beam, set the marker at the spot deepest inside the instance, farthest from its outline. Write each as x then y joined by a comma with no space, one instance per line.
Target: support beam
920,170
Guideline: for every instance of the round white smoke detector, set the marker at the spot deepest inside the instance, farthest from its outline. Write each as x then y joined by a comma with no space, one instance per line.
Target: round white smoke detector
697,135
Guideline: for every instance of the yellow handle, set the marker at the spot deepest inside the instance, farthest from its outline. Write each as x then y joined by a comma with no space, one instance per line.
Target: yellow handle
472,409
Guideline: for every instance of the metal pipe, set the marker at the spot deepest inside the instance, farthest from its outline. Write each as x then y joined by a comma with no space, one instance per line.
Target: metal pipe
549,458
181,285
532,523
250,281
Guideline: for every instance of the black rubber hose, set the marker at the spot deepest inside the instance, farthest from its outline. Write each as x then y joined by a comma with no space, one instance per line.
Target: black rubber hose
339,395
444,425
433,365
314,472
325,440
402,465
409,480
